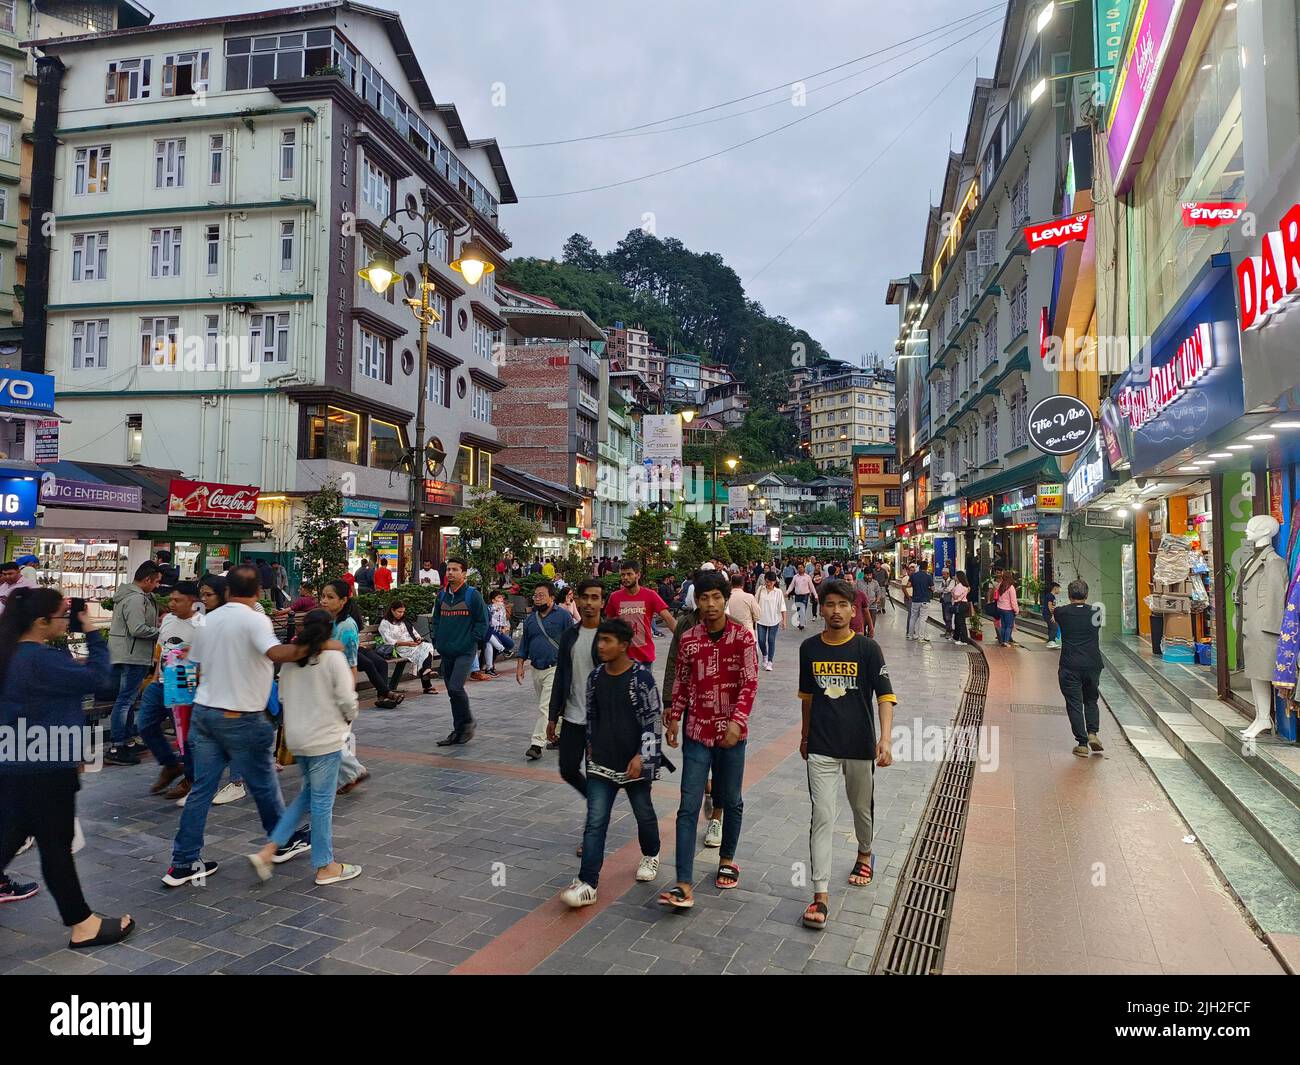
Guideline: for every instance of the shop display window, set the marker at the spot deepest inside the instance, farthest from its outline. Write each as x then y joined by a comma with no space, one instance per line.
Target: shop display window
385,445
334,434
85,569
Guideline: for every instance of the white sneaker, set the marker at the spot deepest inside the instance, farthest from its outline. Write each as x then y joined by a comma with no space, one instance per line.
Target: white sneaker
1053,643
768,665
578,895
78,837
28,845
713,834
230,793
181,800
647,870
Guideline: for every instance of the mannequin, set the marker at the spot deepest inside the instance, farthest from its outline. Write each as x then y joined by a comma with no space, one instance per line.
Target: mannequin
1261,599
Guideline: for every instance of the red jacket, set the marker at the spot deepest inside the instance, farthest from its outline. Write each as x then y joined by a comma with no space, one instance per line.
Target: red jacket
715,682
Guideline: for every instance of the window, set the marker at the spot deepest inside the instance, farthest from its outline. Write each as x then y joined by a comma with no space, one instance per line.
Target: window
288,149
134,437
440,245
165,252
1019,416
439,386
211,340
90,344
374,356
1020,200
216,158
159,341
6,139
90,256
991,436
376,189
185,73
286,246
269,337
1020,307
90,170
333,433
212,246
169,163
4,205
990,342
386,451
481,403
128,79
7,15
483,341
440,306
6,78
464,472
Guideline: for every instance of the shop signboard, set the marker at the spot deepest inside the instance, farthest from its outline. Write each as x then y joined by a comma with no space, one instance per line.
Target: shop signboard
1116,437
1109,22
1104,519
1049,527
1060,425
444,493
62,492
393,525
945,553
206,500
951,516
1058,231
1051,498
26,391
979,508
1191,385
46,441
361,508
1086,478
18,502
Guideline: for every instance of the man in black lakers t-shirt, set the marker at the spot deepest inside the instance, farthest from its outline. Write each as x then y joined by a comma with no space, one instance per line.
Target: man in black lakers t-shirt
838,671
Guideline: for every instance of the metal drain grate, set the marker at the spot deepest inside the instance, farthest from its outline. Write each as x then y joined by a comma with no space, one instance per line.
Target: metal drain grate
1036,708
917,928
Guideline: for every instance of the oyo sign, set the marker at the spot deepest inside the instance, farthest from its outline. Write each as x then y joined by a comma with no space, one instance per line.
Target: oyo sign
1211,215
1192,361
1057,232
1269,281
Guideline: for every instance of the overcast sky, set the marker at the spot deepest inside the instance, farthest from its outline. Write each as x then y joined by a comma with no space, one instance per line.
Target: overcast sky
572,68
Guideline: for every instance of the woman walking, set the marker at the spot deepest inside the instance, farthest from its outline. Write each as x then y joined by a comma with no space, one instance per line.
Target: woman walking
1004,601
397,631
41,689
960,608
945,599
319,702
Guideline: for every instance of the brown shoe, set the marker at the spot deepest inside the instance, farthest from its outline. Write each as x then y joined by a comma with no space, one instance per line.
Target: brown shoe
178,790
165,778
479,675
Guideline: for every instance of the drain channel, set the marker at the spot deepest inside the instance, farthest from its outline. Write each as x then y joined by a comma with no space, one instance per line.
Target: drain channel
917,929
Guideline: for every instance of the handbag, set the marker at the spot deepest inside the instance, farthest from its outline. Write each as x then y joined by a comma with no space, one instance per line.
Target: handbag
180,681
283,756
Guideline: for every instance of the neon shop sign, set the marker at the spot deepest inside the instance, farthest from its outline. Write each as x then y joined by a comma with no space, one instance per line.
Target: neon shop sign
1170,382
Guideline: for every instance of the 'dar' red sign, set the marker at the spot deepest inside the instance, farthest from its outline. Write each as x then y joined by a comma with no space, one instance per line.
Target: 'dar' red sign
206,500
1058,231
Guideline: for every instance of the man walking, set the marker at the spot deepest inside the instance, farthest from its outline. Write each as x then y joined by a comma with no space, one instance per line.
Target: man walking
801,588
175,635
364,577
918,605
742,606
540,647
131,638
236,651
460,624
1080,667
714,688
838,672
636,606
577,658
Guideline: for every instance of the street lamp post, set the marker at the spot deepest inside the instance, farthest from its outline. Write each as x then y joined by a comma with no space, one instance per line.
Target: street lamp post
380,272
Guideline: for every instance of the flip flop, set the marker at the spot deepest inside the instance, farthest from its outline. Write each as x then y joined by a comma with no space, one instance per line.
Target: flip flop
864,870
110,931
350,872
676,898
731,871
818,907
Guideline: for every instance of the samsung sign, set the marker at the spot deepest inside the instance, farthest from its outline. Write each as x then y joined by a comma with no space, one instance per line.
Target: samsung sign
26,391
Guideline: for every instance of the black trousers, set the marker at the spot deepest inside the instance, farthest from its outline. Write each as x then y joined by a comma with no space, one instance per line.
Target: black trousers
959,611
1080,690
44,805
573,753
373,665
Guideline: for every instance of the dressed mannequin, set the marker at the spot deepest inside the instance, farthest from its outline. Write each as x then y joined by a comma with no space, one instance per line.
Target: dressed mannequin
1260,596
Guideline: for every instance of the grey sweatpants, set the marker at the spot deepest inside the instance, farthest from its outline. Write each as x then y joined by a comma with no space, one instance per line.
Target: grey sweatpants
916,615
824,775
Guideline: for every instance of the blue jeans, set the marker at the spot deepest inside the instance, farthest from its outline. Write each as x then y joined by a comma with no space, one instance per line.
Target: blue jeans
132,675
1053,629
767,641
320,780
246,743
455,671
600,801
1006,624
149,720
728,765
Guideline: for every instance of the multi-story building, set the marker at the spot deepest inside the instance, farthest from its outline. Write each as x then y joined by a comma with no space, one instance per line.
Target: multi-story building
877,494
619,455
729,403
848,409
550,417
629,347
218,183
682,387
713,376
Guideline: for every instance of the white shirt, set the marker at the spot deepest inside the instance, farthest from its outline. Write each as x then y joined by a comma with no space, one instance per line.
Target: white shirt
175,636
231,647
771,605
575,707
430,575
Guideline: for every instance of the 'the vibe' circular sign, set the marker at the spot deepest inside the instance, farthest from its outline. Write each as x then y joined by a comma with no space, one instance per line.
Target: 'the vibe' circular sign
1060,425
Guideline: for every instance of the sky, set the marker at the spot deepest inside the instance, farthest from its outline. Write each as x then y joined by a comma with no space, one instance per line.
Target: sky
525,71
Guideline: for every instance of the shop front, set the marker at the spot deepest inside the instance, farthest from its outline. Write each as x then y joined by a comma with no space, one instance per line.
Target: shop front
915,544
211,526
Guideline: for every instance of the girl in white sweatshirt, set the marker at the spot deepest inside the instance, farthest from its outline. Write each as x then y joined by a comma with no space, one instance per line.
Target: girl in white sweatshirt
319,702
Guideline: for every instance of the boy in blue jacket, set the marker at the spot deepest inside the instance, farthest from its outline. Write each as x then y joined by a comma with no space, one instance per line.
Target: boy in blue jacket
460,624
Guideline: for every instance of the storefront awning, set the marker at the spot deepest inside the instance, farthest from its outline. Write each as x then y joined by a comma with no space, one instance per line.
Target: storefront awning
1042,468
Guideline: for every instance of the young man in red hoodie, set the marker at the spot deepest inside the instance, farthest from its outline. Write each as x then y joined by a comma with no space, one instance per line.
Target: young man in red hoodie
714,689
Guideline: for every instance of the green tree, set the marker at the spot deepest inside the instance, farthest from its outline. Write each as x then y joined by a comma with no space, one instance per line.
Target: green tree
581,252
744,548
645,539
322,549
694,547
832,516
495,525
720,551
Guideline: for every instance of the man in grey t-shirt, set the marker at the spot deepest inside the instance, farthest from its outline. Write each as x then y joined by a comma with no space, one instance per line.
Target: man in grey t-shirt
577,658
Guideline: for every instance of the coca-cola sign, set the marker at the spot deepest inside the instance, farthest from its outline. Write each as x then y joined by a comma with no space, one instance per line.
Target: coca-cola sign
1057,232
205,500
1211,215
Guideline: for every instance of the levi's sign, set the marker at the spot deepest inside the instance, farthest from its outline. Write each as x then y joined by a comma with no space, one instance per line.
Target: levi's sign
1060,425
206,500
1211,215
1192,361
1057,232
1269,281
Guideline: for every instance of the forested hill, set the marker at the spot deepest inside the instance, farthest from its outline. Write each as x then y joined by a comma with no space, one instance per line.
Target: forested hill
689,301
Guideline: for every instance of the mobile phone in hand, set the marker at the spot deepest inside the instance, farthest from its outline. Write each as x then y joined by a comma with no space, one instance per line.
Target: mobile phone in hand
76,607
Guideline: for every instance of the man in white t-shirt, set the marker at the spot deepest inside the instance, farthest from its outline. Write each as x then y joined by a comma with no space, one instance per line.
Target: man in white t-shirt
175,636
236,651
429,574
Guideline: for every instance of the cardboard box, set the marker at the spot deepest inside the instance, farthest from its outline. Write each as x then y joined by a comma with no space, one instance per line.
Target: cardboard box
1178,627
1170,604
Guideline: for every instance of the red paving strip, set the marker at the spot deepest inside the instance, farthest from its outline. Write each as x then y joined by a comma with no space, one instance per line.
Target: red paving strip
444,761
531,940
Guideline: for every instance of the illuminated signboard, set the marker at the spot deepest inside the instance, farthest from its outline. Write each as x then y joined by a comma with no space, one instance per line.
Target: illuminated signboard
979,508
1170,382
1051,498
1269,281
1057,232
1211,215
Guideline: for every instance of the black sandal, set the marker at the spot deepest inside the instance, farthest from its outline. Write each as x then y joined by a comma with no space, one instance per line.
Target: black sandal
864,870
110,932
676,898
816,906
729,870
